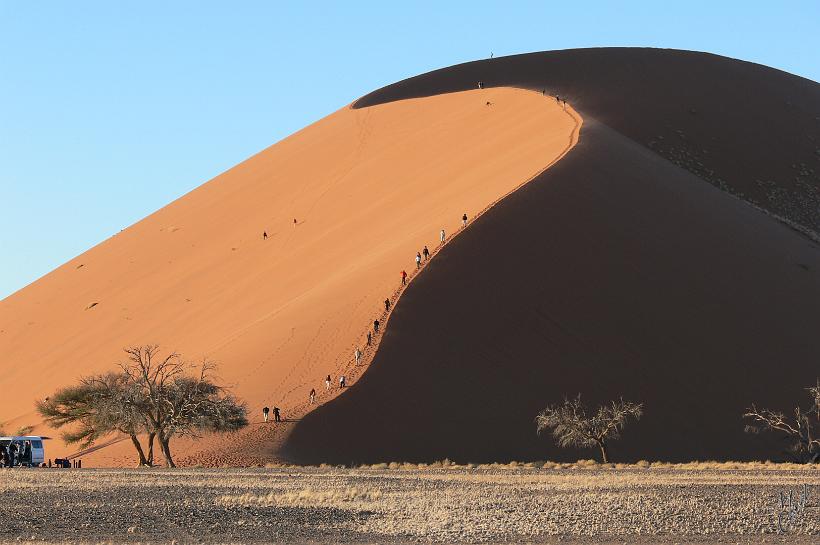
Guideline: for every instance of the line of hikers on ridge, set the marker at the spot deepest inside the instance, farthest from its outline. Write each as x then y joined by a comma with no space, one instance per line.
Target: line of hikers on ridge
422,256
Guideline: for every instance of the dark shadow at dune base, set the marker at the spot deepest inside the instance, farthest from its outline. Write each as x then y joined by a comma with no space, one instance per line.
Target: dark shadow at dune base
614,273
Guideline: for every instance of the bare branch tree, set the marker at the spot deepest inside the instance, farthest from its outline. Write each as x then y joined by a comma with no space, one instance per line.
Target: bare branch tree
178,398
800,430
572,427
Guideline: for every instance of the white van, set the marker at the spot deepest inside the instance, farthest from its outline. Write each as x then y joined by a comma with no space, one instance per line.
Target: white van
30,450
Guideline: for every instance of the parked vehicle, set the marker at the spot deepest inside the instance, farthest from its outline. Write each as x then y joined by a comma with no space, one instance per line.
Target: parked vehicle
28,450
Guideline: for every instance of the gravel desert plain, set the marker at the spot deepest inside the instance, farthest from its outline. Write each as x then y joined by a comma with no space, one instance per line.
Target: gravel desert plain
404,503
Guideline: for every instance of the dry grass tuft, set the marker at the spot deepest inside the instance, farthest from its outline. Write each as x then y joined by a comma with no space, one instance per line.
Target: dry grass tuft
305,497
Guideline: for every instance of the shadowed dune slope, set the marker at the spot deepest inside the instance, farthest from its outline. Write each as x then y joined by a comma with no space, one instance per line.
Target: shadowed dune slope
615,272
368,188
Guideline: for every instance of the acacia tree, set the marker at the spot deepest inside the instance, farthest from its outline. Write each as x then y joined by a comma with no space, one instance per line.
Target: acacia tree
96,408
178,398
160,397
572,427
800,430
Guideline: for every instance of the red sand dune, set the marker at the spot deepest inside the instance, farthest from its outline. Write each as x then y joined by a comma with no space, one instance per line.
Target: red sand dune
627,268
368,189
616,272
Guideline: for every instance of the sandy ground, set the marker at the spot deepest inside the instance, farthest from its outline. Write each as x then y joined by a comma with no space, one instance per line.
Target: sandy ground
367,188
455,504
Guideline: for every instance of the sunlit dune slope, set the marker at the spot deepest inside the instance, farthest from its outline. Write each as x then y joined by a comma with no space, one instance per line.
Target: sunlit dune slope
368,188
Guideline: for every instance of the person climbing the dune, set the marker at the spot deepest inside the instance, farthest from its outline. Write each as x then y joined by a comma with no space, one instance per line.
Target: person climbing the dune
403,278
294,222
441,237
327,383
276,416
369,338
265,412
387,305
426,253
376,327
312,396
464,220
418,260
357,355
264,235
342,382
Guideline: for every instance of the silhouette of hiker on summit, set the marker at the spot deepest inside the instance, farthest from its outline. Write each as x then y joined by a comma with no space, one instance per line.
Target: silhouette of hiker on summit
403,278
426,253
387,305
265,412
312,396
376,327
481,85
558,99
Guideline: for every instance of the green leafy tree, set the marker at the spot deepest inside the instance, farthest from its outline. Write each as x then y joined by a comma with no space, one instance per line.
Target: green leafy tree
97,407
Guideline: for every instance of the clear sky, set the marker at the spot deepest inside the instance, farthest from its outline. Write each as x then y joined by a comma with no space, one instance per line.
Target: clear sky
110,110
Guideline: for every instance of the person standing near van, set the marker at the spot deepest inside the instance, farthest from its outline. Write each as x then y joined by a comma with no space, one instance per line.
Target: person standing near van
265,412
26,453
12,454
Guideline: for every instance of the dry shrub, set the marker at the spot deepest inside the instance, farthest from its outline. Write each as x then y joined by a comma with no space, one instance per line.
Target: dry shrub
306,497
643,464
393,465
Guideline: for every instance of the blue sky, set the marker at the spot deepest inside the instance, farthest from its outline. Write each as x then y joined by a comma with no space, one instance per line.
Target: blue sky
110,110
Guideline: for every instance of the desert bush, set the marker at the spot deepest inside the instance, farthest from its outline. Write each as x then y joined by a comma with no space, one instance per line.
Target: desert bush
801,430
571,427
